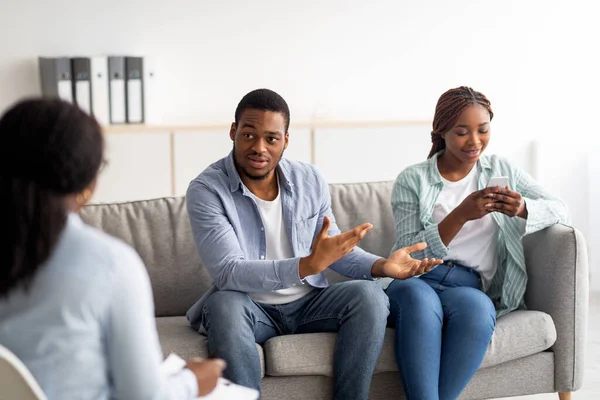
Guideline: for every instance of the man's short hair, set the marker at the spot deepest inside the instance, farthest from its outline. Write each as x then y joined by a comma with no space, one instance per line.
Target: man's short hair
266,100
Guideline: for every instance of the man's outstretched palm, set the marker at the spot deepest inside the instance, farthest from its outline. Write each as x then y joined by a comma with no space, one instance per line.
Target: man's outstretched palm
401,265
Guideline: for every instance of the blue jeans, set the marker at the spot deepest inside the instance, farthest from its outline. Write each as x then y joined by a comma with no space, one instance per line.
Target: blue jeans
444,324
356,310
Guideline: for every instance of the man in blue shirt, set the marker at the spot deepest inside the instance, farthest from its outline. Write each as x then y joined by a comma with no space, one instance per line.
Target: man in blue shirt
265,231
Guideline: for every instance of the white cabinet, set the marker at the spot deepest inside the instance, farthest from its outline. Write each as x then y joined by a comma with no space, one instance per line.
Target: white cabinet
299,146
194,151
369,154
139,167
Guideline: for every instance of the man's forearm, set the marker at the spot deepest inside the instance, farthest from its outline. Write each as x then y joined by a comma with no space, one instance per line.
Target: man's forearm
254,276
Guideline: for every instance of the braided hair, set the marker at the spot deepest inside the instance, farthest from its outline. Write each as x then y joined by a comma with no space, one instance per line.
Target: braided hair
449,108
50,149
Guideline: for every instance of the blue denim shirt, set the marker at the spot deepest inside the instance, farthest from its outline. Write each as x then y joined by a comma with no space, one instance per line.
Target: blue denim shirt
230,237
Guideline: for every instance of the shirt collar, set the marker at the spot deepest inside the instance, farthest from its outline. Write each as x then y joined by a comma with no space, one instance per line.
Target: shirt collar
283,170
484,162
234,178
74,218
434,173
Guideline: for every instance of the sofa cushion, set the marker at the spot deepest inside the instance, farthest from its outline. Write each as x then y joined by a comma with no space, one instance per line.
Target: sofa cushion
356,203
176,336
517,335
159,230
312,354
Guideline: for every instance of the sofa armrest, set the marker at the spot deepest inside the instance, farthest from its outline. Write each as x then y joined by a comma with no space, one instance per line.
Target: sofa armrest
558,284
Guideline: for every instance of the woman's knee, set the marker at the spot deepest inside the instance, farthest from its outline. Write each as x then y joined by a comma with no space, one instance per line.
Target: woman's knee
470,307
414,298
414,293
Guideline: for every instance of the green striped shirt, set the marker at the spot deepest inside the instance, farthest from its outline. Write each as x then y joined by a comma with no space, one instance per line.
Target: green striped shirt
414,196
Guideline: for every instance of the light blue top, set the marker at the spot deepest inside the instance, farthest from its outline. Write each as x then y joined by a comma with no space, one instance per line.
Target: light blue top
86,328
231,240
414,196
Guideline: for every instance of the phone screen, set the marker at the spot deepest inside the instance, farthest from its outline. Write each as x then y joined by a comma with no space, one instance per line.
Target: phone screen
501,181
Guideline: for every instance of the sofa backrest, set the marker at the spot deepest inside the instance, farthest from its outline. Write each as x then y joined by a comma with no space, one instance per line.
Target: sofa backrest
160,232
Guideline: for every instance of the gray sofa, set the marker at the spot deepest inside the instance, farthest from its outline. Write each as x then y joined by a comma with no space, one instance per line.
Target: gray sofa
535,351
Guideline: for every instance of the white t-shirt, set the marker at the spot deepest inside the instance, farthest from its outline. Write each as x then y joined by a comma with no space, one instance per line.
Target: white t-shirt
278,248
475,245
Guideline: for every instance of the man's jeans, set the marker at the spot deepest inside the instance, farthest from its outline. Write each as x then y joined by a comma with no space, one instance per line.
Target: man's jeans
444,324
356,310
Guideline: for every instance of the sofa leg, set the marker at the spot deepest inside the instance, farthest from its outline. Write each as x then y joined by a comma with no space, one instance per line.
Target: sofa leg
564,395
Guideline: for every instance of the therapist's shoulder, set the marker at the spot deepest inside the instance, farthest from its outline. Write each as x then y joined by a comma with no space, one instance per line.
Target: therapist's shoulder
109,252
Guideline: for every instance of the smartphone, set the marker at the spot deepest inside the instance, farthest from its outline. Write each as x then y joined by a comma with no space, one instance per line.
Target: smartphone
501,181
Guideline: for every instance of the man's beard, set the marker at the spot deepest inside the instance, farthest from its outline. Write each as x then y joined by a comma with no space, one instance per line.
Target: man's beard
249,175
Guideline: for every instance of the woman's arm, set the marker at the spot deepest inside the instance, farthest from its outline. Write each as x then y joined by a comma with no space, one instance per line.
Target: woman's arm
133,349
409,230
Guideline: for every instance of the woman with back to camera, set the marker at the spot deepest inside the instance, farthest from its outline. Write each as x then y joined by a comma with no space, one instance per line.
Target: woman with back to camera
75,304
445,318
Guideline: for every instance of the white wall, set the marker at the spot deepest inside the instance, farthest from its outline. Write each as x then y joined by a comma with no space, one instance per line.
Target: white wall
344,60
336,59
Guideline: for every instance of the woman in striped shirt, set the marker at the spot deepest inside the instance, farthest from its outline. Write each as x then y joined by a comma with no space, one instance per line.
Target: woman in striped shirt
445,318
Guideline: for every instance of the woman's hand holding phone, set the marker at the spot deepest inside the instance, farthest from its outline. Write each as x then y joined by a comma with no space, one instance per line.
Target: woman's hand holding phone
508,202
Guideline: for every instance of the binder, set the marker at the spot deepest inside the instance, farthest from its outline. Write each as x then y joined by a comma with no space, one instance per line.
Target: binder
82,88
151,92
135,90
100,98
116,89
55,77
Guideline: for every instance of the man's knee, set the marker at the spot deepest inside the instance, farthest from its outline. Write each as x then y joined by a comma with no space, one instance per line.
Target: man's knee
226,307
369,298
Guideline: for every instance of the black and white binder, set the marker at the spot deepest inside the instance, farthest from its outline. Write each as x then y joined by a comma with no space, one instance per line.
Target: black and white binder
116,89
134,90
55,77
82,86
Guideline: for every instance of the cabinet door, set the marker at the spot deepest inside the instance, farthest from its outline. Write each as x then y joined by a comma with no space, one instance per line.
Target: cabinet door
299,145
139,167
364,154
194,151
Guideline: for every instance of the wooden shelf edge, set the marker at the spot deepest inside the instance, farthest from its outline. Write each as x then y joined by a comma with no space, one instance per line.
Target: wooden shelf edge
141,128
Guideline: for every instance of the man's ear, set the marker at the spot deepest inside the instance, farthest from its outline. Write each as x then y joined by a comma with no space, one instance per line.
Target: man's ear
286,140
232,131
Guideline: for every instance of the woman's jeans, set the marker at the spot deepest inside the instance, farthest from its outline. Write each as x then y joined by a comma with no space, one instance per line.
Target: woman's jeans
444,324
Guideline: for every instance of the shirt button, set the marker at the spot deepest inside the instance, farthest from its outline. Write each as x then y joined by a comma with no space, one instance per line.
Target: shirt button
262,228
364,276
293,284
262,257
